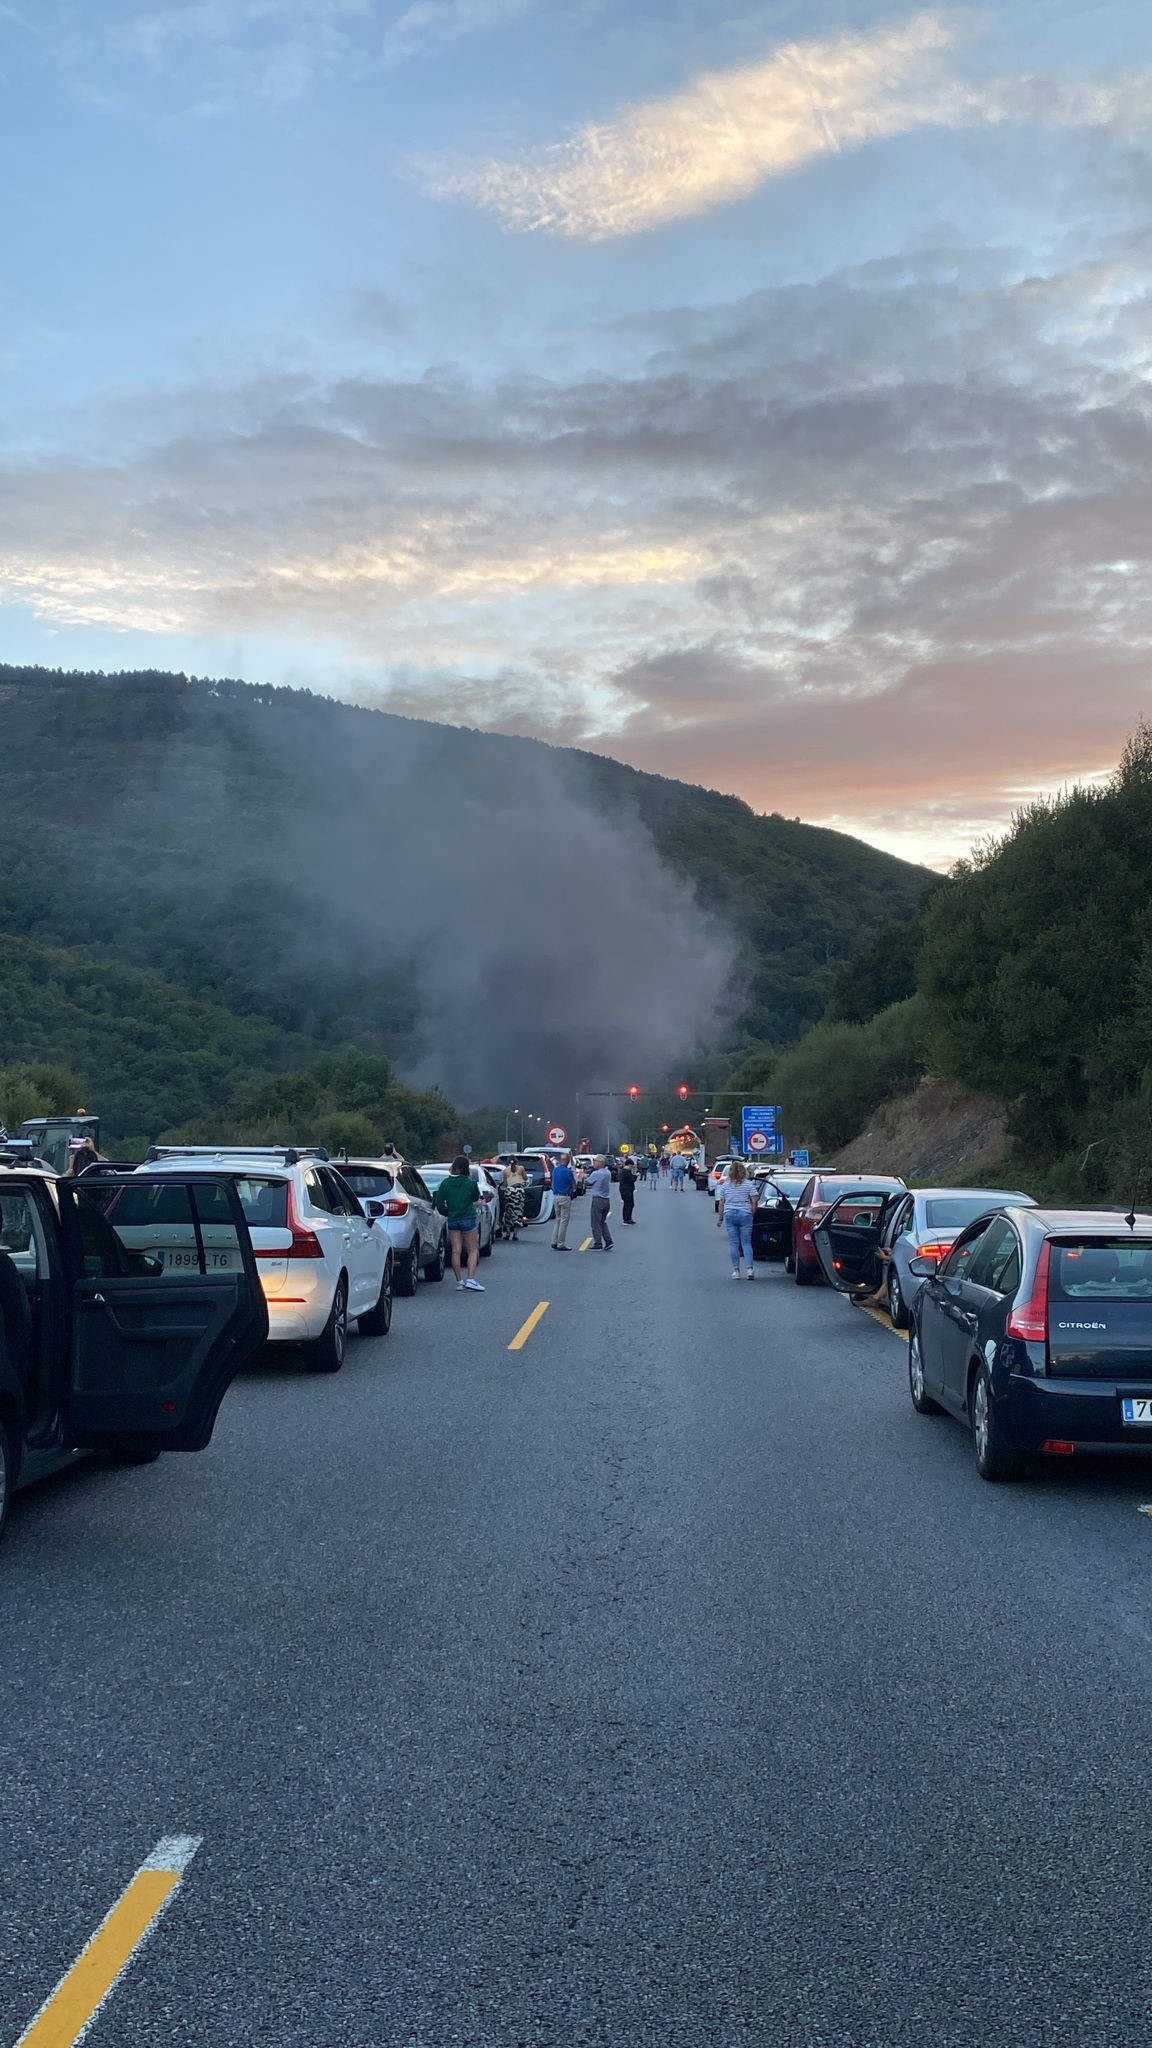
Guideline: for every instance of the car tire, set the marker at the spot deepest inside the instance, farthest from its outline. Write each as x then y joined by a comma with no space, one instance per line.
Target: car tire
486,1249
326,1352
995,1460
9,1466
897,1311
408,1271
789,1262
802,1274
921,1400
439,1264
132,1454
378,1321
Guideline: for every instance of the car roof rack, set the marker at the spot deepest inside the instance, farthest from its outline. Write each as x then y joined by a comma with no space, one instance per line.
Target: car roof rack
287,1155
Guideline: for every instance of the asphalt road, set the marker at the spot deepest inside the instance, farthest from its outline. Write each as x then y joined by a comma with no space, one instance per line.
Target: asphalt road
666,1682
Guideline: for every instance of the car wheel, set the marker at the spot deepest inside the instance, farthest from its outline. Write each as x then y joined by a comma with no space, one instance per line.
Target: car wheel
408,1276
436,1270
789,1263
896,1309
486,1249
378,1320
8,1469
921,1400
326,1352
802,1274
994,1458
132,1454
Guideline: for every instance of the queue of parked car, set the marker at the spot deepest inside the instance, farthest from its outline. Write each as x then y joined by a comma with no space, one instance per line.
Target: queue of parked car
131,1296
1030,1325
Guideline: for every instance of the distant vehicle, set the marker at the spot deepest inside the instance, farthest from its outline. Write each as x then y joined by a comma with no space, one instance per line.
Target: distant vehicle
778,1193
320,1258
113,1340
717,1139
51,1137
920,1231
487,1199
1036,1331
413,1227
819,1192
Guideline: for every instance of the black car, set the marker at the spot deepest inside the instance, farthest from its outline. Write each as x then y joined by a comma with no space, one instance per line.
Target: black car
115,1338
776,1199
1035,1331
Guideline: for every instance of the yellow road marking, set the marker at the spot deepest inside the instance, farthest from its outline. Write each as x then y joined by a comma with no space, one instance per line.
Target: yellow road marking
526,1329
97,1970
586,1243
879,1315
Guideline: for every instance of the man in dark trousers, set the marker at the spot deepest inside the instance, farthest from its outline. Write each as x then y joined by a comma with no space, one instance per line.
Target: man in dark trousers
627,1190
600,1189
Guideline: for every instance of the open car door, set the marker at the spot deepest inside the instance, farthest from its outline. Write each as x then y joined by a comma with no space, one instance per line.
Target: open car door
848,1236
166,1307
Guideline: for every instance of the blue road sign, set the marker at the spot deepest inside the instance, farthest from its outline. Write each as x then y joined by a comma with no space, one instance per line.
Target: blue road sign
760,1131
798,1158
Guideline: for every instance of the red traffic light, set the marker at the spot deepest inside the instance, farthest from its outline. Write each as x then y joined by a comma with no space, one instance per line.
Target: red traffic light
682,1091
633,1091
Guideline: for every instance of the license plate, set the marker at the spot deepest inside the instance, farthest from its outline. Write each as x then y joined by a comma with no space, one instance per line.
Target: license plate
214,1262
1137,1411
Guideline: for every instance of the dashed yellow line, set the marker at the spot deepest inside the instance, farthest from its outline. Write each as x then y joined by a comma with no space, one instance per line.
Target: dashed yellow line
882,1317
526,1329
586,1243
69,2012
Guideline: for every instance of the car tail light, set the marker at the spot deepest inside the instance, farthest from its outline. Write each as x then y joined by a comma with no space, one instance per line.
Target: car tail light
396,1206
935,1249
1030,1320
305,1243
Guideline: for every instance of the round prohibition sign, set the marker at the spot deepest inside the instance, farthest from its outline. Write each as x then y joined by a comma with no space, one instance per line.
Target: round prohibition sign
757,1141
557,1135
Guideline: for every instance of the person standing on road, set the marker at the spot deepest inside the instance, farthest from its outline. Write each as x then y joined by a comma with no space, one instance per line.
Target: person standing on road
513,1197
627,1191
678,1174
455,1198
735,1210
600,1189
563,1189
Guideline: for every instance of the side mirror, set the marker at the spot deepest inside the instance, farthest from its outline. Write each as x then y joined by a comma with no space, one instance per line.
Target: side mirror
372,1210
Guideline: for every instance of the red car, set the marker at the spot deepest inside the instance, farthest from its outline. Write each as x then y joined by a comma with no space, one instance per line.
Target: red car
818,1194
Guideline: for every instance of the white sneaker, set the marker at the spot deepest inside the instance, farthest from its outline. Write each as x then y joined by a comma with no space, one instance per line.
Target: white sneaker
735,1272
460,1286
473,1287
751,1274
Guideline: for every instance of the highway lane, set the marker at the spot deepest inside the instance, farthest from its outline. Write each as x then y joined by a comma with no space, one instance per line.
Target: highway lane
666,1681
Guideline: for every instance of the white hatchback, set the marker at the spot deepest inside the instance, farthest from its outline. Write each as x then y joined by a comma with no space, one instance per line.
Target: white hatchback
322,1262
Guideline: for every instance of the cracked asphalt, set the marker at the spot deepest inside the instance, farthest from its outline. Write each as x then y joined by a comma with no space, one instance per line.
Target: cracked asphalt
668,1682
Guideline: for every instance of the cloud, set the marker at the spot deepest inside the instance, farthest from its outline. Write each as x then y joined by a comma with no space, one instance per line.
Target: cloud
718,140
877,548
275,50
431,24
730,132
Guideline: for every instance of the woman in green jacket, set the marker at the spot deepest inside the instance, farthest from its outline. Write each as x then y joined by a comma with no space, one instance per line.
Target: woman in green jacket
456,1200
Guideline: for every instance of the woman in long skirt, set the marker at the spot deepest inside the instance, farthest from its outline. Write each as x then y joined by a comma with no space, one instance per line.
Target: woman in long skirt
512,1200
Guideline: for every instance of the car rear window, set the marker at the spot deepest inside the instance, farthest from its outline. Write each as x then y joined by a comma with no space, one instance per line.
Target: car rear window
536,1169
1118,1269
367,1180
954,1211
830,1190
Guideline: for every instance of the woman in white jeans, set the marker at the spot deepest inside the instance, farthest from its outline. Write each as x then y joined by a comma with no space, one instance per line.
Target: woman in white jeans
737,1207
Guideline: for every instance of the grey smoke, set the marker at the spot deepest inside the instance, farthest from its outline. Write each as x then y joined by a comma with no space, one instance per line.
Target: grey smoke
536,945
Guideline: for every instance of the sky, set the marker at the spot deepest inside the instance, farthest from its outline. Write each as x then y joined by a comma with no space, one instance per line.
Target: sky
760,395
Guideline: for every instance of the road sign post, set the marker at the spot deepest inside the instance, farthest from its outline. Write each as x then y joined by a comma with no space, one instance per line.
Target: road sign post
760,1131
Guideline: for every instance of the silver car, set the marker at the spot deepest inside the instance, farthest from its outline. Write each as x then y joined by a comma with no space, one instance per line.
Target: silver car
921,1228
413,1226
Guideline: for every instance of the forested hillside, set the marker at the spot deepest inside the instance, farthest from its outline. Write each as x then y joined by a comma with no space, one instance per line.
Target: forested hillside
1028,978
275,852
